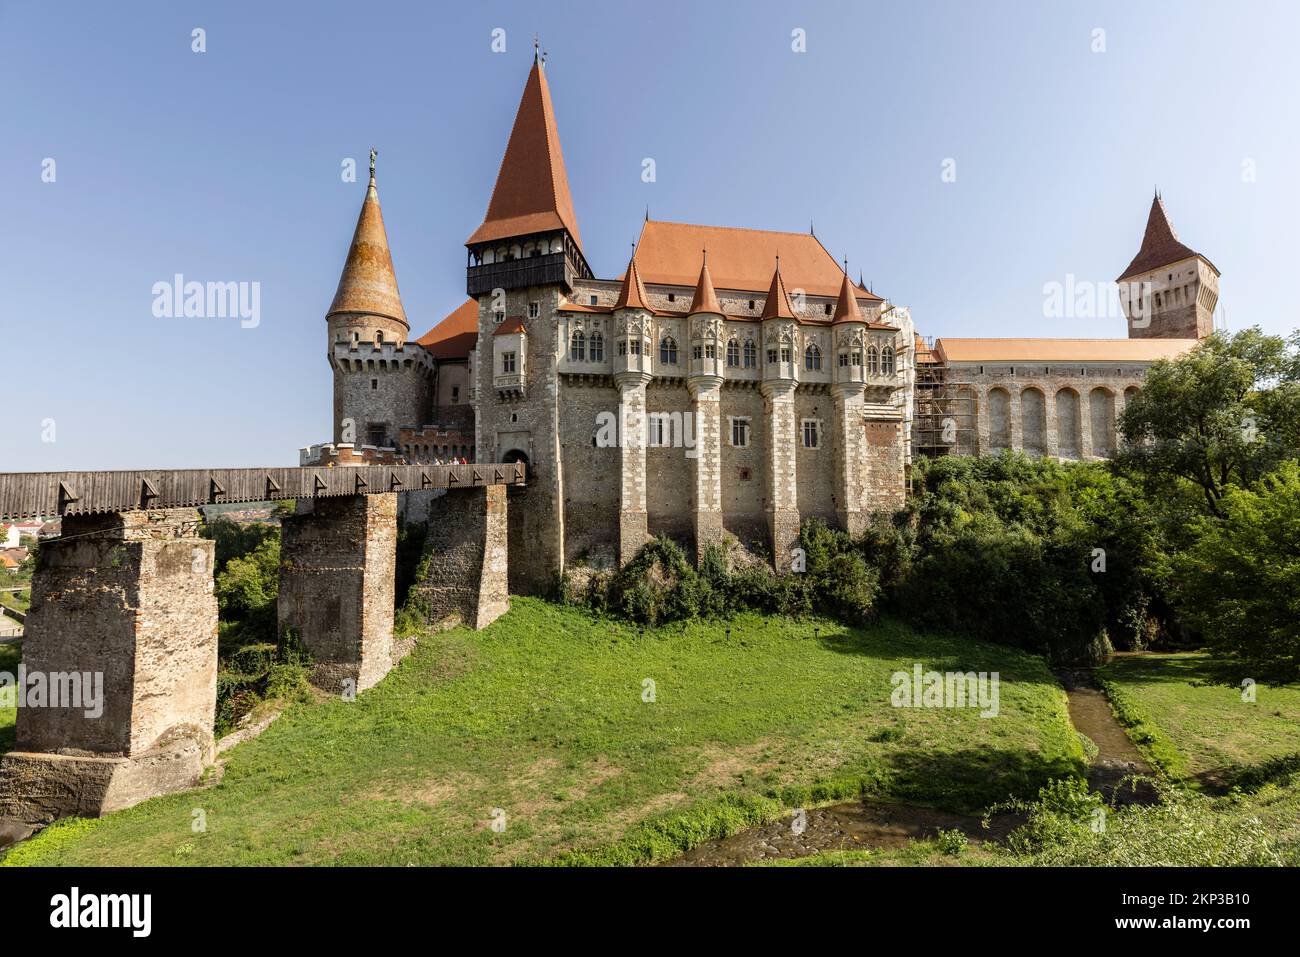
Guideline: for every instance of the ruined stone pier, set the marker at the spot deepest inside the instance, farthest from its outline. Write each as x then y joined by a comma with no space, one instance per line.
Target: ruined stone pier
117,690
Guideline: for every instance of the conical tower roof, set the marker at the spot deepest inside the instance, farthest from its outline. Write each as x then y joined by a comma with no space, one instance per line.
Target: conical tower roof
632,295
777,305
1160,245
532,188
705,299
368,283
846,307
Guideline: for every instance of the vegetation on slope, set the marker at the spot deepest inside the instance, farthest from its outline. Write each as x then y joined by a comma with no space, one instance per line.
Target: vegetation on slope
544,722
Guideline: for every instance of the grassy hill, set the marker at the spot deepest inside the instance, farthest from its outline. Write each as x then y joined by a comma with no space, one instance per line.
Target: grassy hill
540,722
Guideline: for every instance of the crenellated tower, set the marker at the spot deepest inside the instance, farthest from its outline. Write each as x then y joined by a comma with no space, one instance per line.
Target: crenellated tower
1169,291
381,382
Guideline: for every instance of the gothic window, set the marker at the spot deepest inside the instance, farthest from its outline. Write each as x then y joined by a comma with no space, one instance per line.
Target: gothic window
873,360
740,433
578,346
634,346
844,359
751,354
887,360
710,350
507,363
597,347
786,353
668,351
697,352
733,352
811,434
812,358
622,347
772,356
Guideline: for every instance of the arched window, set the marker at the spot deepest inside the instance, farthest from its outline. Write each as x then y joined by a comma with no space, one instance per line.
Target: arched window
751,354
873,360
597,347
733,352
668,351
578,346
887,360
812,357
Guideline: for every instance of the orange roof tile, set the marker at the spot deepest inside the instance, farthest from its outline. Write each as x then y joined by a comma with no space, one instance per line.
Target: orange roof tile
1160,245
739,259
368,283
632,295
846,306
1061,350
532,188
456,335
511,325
777,305
705,299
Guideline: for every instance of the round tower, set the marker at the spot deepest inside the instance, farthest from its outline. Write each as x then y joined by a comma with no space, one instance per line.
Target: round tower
381,382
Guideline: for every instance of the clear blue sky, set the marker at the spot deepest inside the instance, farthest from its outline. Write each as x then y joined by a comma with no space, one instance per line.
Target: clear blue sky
225,166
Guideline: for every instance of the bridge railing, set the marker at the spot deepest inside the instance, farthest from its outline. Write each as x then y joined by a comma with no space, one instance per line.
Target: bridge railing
37,494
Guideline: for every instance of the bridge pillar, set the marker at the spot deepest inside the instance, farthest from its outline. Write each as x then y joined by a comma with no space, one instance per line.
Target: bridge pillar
337,565
466,558
118,684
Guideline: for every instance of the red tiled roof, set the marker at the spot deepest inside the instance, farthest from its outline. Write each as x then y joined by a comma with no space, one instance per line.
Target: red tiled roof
777,305
1160,245
1061,350
705,299
740,259
632,295
511,325
846,306
532,188
455,336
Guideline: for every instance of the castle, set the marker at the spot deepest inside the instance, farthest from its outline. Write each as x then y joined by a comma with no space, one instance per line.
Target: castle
728,385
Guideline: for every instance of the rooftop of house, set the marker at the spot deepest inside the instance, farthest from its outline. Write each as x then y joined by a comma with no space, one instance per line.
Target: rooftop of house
1060,350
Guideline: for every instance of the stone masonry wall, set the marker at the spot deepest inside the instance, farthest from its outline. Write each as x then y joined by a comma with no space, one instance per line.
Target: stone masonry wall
466,578
337,566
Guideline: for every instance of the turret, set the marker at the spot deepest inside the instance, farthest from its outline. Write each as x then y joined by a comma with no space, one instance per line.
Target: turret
706,324
779,327
633,349
849,333
1168,291
380,382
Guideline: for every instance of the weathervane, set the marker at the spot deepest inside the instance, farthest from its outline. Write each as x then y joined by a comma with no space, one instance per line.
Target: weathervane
373,153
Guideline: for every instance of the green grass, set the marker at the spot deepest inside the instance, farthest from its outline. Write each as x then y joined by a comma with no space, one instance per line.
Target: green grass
19,600
1192,722
11,654
542,715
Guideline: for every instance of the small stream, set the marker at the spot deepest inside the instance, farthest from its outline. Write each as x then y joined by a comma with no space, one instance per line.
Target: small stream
882,826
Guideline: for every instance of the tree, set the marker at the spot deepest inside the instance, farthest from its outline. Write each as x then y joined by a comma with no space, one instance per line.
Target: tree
1224,414
1239,582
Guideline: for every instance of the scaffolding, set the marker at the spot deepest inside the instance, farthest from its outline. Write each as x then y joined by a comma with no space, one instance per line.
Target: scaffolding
944,411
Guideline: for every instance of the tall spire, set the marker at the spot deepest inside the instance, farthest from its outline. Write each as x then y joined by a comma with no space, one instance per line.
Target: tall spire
705,300
632,295
777,305
368,284
1160,244
532,188
846,307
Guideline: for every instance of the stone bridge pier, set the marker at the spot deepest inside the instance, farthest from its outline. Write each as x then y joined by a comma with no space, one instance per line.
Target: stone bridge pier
117,689
118,683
